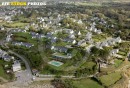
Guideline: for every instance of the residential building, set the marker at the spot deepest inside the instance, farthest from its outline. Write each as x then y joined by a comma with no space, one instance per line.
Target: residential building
16,66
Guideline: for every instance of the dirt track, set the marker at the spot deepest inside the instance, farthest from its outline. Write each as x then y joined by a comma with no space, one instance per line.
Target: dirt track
33,85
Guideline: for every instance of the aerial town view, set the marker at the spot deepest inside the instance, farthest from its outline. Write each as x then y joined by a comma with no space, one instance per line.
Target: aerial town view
64,43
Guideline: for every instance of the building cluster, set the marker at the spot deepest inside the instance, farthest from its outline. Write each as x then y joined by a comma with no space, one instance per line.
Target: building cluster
16,66
109,42
5,56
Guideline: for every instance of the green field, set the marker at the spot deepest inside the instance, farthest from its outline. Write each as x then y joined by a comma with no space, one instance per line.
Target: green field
99,38
15,25
2,34
110,79
87,83
118,63
3,74
24,37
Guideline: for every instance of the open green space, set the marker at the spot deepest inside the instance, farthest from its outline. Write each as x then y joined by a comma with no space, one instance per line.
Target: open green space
110,79
2,34
118,63
3,73
15,25
99,37
87,83
24,37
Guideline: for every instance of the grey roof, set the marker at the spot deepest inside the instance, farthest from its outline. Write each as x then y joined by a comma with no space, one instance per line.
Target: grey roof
60,48
23,44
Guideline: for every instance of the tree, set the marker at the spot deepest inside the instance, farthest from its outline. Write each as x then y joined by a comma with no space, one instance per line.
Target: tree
99,55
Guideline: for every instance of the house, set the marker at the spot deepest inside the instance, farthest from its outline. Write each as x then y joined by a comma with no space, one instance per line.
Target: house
72,36
4,55
69,40
80,21
59,56
2,14
104,44
79,33
99,46
53,39
7,18
94,29
111,42
74,42
7,58
37,35
8,38
81,42
49,35
28,45
86,27
99,31
59,49
2,28
71,32
88,36
114,51
16,66
118,40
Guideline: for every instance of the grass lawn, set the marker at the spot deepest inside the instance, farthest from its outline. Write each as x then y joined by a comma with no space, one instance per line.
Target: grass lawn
62,70
62,55
118,63
24,37
15,25
87,83
2,34
2,71
61,44
122,53
110,79
88,65
100,37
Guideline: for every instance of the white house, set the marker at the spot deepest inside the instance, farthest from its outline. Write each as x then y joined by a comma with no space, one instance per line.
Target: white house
8,38
2,28
79,33
89,36
99,31
71,32
72,36
86,27
118,39
80,21
74,42
16,66
114,51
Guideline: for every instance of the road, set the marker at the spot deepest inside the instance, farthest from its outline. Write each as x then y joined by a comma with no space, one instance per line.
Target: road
24,60
23,77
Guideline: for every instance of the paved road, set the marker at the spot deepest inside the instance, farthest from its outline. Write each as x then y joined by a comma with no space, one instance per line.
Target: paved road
23,77
24,60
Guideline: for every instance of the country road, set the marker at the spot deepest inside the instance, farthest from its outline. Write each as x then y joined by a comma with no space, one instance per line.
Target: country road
24,77
24,60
